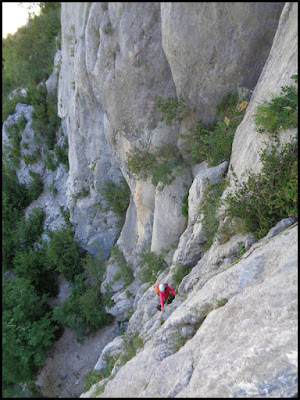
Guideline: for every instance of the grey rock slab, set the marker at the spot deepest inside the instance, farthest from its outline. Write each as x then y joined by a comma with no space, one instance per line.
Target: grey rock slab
213,47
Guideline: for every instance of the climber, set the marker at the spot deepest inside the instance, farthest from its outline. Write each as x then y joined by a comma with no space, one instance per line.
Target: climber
163,291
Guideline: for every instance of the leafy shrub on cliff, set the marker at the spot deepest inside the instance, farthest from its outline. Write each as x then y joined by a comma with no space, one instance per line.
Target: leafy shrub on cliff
150,264
14,199
61,153
281,112
45,121
269,196
212,142
171,108
117,197
29,229
125,269
211,203
36,187
13,152
180,272
33,265
161,165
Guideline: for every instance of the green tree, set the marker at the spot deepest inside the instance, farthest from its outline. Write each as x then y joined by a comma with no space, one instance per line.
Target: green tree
84,310
29,229
64,255
27,330
33,265
14,199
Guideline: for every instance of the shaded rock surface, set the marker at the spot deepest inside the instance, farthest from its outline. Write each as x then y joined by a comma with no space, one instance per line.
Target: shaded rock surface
213,47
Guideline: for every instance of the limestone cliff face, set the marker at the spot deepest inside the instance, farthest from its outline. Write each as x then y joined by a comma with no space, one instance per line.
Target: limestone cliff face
115,58
246,347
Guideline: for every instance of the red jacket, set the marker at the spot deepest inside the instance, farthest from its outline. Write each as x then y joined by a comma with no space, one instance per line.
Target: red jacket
164,295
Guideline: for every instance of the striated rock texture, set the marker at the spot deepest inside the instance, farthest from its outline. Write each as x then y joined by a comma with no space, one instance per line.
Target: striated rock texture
90,157
116,57
247,347
232,329
214,47
281,64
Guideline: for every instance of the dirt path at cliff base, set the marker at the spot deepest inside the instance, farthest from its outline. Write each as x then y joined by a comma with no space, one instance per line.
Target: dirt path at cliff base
69,361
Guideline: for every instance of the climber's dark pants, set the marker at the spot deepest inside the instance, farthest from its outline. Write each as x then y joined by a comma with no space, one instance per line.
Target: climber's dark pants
159,306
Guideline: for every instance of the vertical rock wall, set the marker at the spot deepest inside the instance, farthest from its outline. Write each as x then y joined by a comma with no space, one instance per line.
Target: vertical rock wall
116,57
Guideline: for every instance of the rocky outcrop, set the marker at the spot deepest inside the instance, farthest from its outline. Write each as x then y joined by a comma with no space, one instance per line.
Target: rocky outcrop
53,198
281,64
191,242
90,157
231,331
210,344
226,333
214,47
116,58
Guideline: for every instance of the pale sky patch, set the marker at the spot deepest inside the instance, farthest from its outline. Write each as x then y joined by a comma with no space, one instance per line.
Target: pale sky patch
14,15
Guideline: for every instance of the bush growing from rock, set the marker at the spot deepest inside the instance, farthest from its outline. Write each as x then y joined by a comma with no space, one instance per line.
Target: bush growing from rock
36,187
150,264
210,219
125,269
281,112
171,108
117,197
269,196
180,272
161,165
14,133
212,142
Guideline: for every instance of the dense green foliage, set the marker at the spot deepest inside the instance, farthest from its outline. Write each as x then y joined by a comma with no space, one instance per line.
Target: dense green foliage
13,152
281,112
63,253
15,198
36,266
27,56
150,265
171,108
45,121
265,198
27,330
212,142
117,197
162,165
61,153
83,311
36,186
185,205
